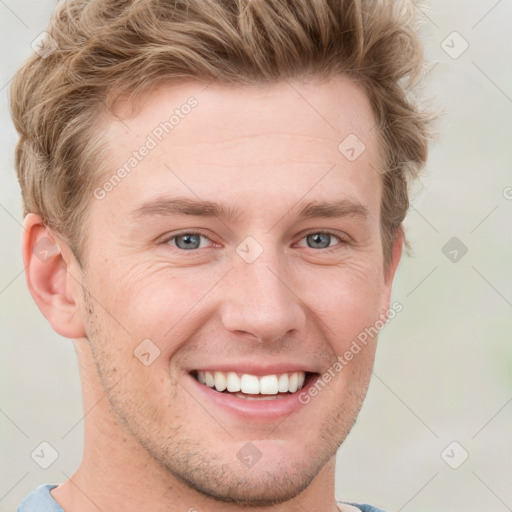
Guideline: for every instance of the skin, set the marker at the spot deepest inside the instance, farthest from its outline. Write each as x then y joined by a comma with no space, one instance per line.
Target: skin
266,152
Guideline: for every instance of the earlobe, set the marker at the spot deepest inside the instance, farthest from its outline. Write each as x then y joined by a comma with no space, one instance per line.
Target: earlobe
53,277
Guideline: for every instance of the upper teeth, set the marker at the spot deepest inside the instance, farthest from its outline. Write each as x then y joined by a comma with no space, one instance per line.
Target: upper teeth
251,384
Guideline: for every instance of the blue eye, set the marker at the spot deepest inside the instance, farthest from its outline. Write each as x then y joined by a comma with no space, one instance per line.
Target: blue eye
321,240
187,241
192,241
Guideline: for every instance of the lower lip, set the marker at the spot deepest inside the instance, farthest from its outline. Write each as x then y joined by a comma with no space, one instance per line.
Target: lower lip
262,410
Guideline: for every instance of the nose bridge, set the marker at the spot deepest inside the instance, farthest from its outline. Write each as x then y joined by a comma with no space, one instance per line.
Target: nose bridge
260,301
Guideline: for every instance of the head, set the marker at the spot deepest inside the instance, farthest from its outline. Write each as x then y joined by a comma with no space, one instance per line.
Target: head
224,184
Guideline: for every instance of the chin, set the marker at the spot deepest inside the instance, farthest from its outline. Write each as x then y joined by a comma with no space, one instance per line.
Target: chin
251,487
280,475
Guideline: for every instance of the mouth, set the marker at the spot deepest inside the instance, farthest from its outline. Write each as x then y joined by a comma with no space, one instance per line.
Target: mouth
252,387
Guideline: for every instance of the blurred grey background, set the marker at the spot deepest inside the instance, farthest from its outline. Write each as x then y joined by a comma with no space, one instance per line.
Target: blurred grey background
435,432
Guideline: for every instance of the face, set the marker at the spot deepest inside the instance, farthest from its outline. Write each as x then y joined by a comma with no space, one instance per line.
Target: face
242,249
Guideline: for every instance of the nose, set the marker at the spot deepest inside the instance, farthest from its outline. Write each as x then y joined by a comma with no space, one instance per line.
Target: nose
260,301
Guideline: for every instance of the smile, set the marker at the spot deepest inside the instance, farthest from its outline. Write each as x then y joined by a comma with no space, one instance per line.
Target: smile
252,387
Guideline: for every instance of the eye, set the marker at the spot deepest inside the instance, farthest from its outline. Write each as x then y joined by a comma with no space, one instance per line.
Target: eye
188,241
320,240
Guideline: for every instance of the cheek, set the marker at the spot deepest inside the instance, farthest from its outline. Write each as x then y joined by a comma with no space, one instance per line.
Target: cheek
128,357
348,299
144,310
137,297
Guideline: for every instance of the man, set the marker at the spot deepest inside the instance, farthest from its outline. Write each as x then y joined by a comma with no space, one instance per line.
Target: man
214,192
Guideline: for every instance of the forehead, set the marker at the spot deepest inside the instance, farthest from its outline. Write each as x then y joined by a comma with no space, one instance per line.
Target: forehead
287,139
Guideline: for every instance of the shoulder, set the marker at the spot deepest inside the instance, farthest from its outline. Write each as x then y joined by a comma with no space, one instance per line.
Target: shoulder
40,500
357,507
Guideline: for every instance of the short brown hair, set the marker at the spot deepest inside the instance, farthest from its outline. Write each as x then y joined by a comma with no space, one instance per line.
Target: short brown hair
107,49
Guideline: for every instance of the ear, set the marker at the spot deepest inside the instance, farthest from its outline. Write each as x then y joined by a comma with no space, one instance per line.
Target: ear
53,277
389,272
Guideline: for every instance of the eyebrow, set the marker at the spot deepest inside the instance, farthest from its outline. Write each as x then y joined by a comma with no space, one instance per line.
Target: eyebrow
199,208
334,209
186,206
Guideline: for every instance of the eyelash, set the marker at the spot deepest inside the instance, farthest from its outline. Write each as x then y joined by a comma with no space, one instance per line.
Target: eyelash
324,250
